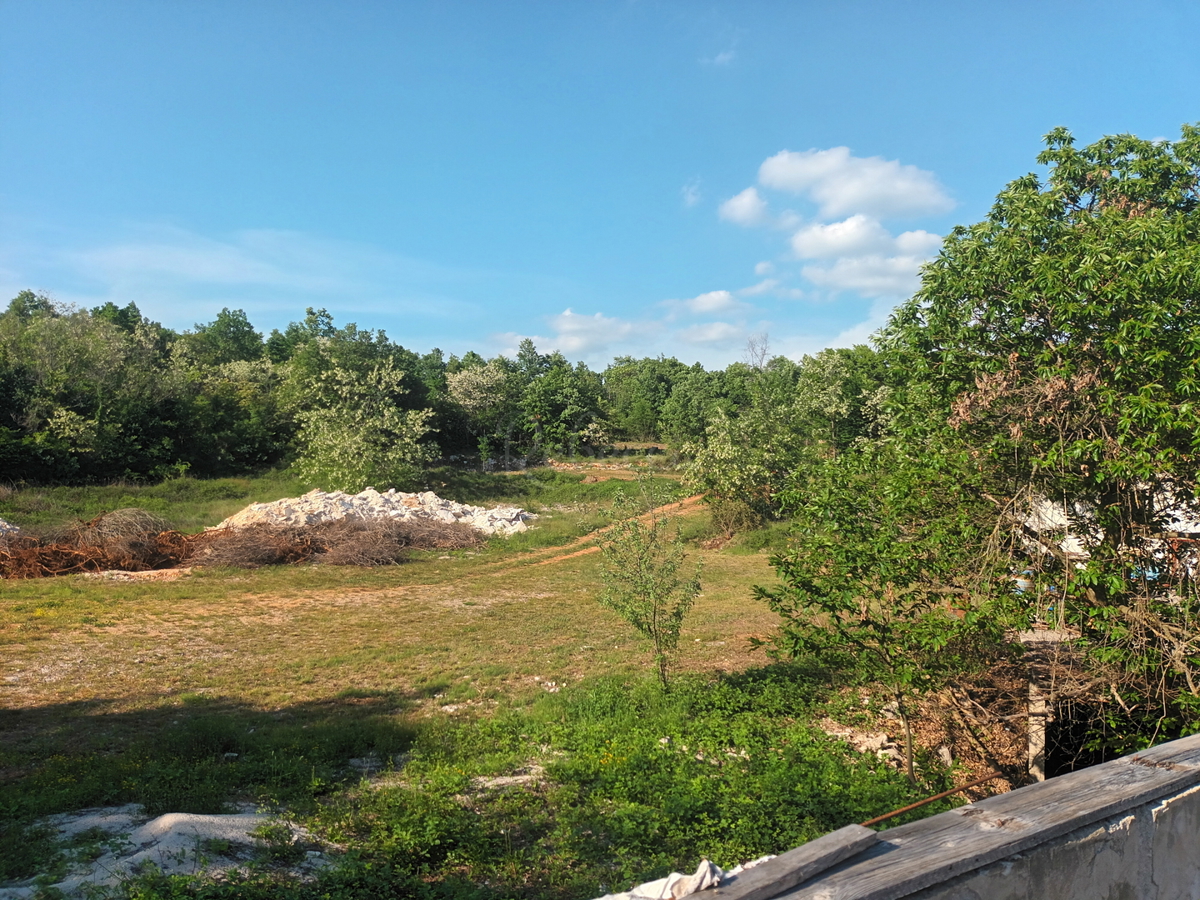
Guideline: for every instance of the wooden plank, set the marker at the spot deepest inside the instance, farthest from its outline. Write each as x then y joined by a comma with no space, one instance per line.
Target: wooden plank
920,854
784,872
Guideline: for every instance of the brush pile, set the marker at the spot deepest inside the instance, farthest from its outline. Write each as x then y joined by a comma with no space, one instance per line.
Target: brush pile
341,542
134,540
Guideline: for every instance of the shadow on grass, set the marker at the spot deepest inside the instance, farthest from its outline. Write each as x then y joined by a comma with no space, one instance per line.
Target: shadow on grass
189,754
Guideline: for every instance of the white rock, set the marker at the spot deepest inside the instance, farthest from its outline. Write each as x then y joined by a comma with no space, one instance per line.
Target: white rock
317,506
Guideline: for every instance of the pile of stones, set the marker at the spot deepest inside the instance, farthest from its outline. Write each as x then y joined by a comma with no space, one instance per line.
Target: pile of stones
6,529
318,506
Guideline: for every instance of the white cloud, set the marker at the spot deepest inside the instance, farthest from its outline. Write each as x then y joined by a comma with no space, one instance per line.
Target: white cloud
745,209
870,276
852,237
918,243
842,184
691,193
713,333
763,287
764,268
712,302
724,58
706,304
580,334
860,236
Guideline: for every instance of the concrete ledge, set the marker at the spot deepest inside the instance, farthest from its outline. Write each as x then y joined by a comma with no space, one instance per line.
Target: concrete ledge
773,877
916,856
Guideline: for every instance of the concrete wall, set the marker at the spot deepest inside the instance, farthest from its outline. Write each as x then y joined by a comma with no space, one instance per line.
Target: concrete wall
1151,852
1124,830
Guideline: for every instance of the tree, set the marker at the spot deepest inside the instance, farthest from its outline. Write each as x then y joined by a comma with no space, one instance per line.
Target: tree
559,405
894,573
793,415
362,437
228,338
83,397
644,580
1060,338
488,395
636,390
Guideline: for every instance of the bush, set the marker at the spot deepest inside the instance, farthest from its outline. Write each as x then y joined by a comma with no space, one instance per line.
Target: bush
734,516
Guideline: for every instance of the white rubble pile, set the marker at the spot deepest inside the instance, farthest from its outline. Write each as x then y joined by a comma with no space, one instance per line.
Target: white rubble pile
6,529
176,843
317,506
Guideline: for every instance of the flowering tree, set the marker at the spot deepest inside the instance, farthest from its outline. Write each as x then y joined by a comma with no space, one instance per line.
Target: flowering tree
361,436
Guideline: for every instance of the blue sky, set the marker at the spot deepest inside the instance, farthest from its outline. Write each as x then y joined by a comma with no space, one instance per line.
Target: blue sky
606,177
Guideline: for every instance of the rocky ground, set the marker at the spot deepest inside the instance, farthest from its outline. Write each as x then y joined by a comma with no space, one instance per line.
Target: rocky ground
102,847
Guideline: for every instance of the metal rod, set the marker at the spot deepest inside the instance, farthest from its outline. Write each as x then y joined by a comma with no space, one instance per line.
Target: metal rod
920,803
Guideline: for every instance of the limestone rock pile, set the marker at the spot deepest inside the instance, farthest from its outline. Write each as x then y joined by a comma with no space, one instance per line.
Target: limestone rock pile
318,506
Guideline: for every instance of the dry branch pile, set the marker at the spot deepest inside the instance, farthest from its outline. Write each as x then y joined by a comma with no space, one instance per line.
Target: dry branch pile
344,542
135,540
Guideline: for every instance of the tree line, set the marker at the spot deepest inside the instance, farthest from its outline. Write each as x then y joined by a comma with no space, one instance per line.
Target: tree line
105,393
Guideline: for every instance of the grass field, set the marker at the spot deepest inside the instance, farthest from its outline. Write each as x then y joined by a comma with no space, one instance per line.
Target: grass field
231,684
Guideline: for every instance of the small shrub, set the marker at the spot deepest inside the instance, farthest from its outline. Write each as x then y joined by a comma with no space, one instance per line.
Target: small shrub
644,584
735,516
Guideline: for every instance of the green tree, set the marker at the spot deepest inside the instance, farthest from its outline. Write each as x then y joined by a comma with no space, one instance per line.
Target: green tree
83,397
559,405
645,581
894,574
361,436
793,414
489,396
636,390
228,338
686,412
1060,338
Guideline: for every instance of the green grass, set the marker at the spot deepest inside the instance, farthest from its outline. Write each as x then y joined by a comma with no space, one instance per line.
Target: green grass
624,783
190,504
187,504
770,538
261,685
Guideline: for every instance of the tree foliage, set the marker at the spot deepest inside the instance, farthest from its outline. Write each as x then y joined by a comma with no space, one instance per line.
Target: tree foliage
895,572
361,437
645,579
1061,338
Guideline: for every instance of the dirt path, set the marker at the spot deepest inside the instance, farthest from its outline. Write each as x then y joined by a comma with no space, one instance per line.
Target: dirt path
682,507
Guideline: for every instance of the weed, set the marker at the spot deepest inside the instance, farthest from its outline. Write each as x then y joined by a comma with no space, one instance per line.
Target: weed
277,844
